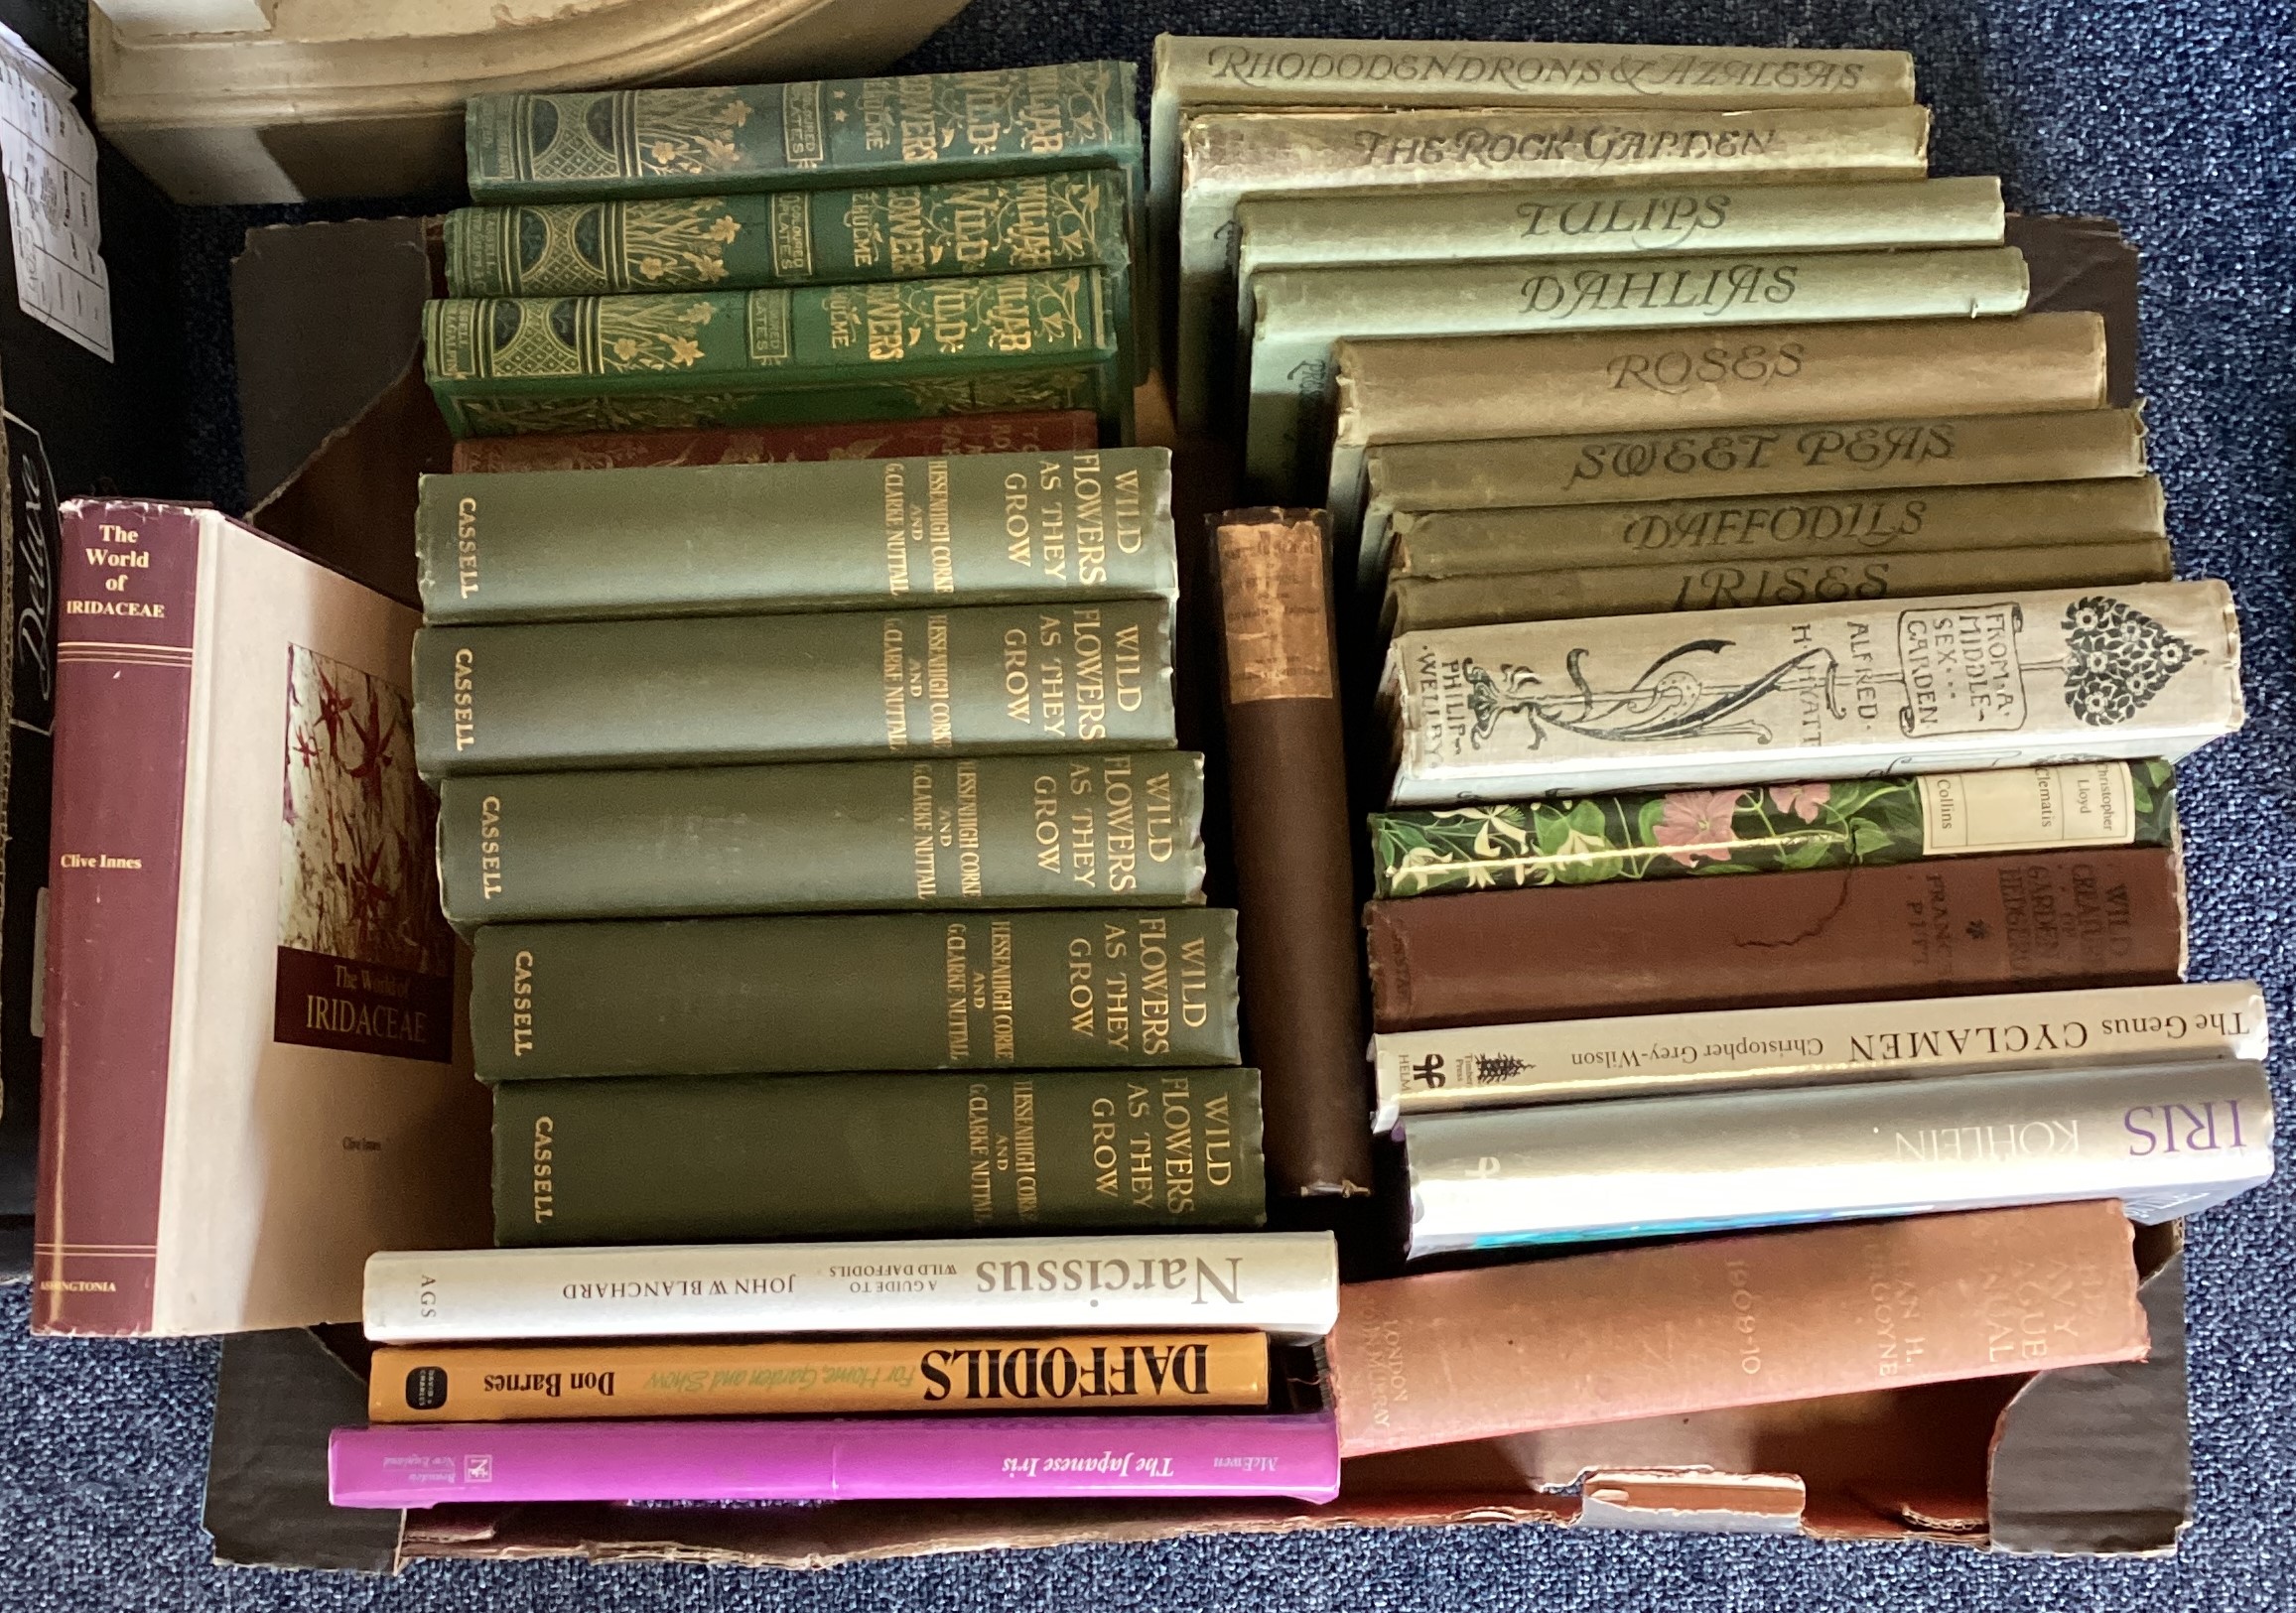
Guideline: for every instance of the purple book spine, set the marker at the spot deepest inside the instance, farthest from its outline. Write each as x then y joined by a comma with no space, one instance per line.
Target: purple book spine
835,1459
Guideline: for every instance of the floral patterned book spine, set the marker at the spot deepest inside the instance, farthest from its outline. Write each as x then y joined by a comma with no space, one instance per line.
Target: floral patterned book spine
1770,829
903,349
1775,694
811,135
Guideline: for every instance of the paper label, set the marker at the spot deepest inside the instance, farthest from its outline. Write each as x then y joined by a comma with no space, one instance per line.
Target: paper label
1960,669
2028,809
47,157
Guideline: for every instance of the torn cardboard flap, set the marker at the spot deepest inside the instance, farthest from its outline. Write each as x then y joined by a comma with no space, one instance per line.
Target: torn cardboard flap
1694,1501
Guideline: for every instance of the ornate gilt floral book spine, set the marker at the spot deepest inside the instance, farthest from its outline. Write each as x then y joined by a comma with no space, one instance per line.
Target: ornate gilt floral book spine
900,350
1045,990
718,690
1770,829
1414,603
2165,1140
1847,525
676,1158
250,1081
1228,156
1299,313
1086,829
1077,219
1050,431
701,540
1294,858
1824,691
963,226
813,135
1004,1373
1644,1056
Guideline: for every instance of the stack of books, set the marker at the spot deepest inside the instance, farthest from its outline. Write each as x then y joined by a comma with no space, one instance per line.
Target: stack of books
1754,635
831,872
762,255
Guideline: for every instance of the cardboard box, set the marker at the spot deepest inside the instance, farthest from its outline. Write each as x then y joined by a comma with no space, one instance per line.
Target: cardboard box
2088,1460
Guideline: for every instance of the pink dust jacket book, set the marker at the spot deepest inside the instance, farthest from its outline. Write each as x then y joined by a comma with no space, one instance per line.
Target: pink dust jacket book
250,1080
835,1459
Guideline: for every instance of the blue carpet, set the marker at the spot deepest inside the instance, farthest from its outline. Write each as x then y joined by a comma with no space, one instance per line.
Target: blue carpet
2173,116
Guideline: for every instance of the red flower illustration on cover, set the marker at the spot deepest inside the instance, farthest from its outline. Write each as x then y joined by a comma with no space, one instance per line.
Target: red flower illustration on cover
359,896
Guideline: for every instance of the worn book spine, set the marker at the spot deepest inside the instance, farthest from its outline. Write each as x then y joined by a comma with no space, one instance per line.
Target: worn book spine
1048,431
1784,827
127,600
1520,222
1281,1283
1848,526
1651,1054
1951,927
1418,389
1294,1454
1818,691
1195,73
1002,1373
885,992
815,135
741,689
1087,829
1514,1349
1415,604
1294,866
792,355
1010,226
677,1158
2165,1140
705,540
1227,156
1637,467
1301,313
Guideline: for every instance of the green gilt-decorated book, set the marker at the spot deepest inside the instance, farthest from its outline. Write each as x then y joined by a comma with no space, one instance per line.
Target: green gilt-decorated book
701,1158
1018,224
820,134
1771,828
901,349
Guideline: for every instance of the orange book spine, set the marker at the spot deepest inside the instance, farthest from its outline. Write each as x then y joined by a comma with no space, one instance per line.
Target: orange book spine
817,1377
1712,1323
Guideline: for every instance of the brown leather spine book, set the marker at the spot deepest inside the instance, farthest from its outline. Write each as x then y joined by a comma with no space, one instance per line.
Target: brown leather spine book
1704,1325
1042,431
2077,263
1948,927
1300,969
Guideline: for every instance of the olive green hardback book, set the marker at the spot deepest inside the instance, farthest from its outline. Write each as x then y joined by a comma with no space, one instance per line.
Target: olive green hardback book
1725,584
1088,830
1843,525
1302,312
1029,991
739,689
815,135
1079,218
801,535
1590,840
1624,467
902,350
700,1159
